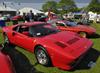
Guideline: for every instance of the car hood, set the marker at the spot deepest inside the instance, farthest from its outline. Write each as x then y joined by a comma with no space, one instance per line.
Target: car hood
69,43
62,37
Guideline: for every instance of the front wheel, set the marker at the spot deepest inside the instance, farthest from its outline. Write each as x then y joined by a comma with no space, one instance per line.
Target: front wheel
6,40
42,56
83,34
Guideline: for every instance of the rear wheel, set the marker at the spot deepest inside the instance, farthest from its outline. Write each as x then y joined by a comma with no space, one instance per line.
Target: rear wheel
6,44
6,41
42,56
83,34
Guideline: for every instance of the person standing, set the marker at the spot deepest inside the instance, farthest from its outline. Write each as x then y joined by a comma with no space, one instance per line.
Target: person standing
27,17
31,16
24,17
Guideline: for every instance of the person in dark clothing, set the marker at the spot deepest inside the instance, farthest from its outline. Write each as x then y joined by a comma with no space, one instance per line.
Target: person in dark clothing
27,17
31,16
24,16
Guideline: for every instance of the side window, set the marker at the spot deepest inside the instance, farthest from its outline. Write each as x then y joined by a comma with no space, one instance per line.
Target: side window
16,28
23,28
60,24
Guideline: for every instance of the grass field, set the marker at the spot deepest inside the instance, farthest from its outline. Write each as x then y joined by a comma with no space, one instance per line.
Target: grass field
93,55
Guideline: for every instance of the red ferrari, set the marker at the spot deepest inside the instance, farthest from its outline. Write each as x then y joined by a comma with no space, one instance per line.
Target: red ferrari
5,63
62,49
82,30
18,17
13,61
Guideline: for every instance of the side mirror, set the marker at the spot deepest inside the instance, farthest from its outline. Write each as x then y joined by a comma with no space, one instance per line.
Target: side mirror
13,33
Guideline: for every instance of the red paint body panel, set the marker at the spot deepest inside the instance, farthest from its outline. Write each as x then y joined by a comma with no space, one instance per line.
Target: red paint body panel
63,47
5,64
16,17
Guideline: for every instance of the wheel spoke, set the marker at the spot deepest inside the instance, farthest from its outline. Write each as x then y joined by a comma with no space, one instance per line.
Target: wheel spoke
41,56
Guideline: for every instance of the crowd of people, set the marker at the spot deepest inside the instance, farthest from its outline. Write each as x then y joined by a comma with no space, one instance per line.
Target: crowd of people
28,16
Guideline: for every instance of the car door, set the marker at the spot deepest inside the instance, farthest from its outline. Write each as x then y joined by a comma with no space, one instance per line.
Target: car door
23,40
65,27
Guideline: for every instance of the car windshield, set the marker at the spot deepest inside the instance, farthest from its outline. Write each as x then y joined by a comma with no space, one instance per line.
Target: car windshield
71,23
42,30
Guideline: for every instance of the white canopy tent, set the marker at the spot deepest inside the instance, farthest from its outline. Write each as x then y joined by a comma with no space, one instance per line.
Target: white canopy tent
3,8
7,10
46,13
27,10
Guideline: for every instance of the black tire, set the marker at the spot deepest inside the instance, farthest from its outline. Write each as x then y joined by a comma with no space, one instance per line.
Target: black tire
42,56
6,40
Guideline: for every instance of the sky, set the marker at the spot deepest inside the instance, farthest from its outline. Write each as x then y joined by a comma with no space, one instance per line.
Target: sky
37,4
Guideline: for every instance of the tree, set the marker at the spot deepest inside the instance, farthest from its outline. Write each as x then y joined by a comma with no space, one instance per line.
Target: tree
50,5
67,6
94,6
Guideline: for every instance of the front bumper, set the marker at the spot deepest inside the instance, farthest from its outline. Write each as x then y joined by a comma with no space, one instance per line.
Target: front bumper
78,60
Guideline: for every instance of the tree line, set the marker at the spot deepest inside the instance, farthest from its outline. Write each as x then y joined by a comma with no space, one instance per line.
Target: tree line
65,6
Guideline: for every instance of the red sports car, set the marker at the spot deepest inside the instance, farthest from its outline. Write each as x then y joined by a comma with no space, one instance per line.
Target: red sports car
62,49
13,61
83,30
18,17
5,63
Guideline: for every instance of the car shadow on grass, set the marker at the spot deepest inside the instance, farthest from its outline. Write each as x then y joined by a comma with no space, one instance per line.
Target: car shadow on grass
94,36
89,60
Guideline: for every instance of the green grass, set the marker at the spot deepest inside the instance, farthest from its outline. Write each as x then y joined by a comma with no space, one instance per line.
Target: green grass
95,69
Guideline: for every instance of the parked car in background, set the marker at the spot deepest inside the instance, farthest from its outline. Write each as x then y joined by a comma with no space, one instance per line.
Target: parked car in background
17,17
82,30
62,49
